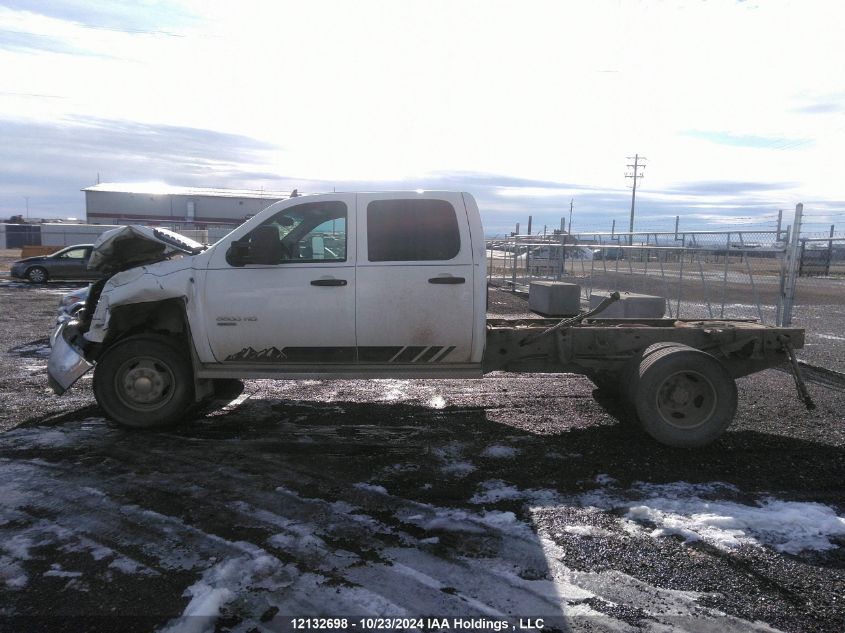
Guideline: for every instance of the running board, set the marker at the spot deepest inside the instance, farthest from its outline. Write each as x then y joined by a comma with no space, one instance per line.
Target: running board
330,372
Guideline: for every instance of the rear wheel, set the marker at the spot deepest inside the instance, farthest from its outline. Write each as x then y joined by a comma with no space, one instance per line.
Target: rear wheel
630,374
144,382
684,397
37,275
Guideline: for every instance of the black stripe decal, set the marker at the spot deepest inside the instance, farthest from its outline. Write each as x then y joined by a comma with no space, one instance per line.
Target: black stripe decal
429,354
440,357
409,354
377,354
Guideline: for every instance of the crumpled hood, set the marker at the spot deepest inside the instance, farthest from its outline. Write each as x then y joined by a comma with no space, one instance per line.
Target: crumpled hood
134,245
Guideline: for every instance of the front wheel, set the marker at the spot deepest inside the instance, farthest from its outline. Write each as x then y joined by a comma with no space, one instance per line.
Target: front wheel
684,397
144,382
37,275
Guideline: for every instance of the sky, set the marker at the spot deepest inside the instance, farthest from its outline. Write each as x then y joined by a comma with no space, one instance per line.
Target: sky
738,107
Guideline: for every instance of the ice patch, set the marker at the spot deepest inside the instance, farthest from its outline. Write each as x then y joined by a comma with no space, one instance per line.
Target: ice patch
498,451
692,512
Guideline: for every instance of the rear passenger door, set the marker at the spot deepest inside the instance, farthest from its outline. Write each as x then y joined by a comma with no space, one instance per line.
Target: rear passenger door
414,300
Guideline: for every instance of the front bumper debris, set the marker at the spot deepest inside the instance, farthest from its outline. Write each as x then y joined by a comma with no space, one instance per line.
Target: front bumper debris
66,364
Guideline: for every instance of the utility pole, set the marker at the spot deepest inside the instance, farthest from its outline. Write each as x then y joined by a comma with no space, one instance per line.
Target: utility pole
528,245
571,204
634,174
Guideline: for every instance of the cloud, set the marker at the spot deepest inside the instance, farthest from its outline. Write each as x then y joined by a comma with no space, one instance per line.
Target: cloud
51,162
747,140
821,107
129,17
726,187
20,41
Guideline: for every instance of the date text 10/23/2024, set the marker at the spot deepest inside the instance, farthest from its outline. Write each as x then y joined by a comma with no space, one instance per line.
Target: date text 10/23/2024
465,625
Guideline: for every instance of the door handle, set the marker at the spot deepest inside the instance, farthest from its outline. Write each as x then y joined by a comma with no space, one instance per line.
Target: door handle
328,282
447,280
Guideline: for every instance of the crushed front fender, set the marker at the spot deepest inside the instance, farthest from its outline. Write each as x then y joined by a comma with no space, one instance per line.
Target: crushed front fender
66,364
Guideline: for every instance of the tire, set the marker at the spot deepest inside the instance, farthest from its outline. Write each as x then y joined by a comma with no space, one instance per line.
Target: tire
685,397
630,375
37,275
144,382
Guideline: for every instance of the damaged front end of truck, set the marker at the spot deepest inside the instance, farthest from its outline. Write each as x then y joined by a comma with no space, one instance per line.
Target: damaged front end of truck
124,255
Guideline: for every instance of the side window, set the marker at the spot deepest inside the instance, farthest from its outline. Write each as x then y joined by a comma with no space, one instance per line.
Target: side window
76,253
308,232
412,230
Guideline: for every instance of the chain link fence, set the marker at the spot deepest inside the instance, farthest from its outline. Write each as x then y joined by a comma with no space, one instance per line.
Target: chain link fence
700,274
819,298
769,276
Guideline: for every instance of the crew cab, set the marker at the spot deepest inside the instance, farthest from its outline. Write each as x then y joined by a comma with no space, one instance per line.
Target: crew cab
369,285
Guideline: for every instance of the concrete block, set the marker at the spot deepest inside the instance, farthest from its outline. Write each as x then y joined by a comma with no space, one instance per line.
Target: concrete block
554,298
630,306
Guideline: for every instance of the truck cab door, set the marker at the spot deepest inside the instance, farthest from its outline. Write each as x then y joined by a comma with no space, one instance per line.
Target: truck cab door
283,292
414,301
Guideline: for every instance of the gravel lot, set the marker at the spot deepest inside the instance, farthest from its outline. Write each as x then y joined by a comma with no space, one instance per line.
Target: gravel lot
518,496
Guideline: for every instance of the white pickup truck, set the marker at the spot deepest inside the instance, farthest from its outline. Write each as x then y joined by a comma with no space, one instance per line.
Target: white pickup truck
370,285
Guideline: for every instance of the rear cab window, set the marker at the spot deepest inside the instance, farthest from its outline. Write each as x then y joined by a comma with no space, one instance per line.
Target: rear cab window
412,230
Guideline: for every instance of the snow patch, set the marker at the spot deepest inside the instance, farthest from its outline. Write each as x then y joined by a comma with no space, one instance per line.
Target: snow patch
12,574
499,451
691,512
225,581
370,487
587,530
48,439
495,490
831,337
57,572
437,402
457,468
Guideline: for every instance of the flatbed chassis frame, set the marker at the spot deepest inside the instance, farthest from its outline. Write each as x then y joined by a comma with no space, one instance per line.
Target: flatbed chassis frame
602,348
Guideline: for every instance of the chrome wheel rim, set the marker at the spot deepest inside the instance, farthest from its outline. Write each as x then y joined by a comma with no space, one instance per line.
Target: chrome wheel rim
686,399
37,275
144,383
